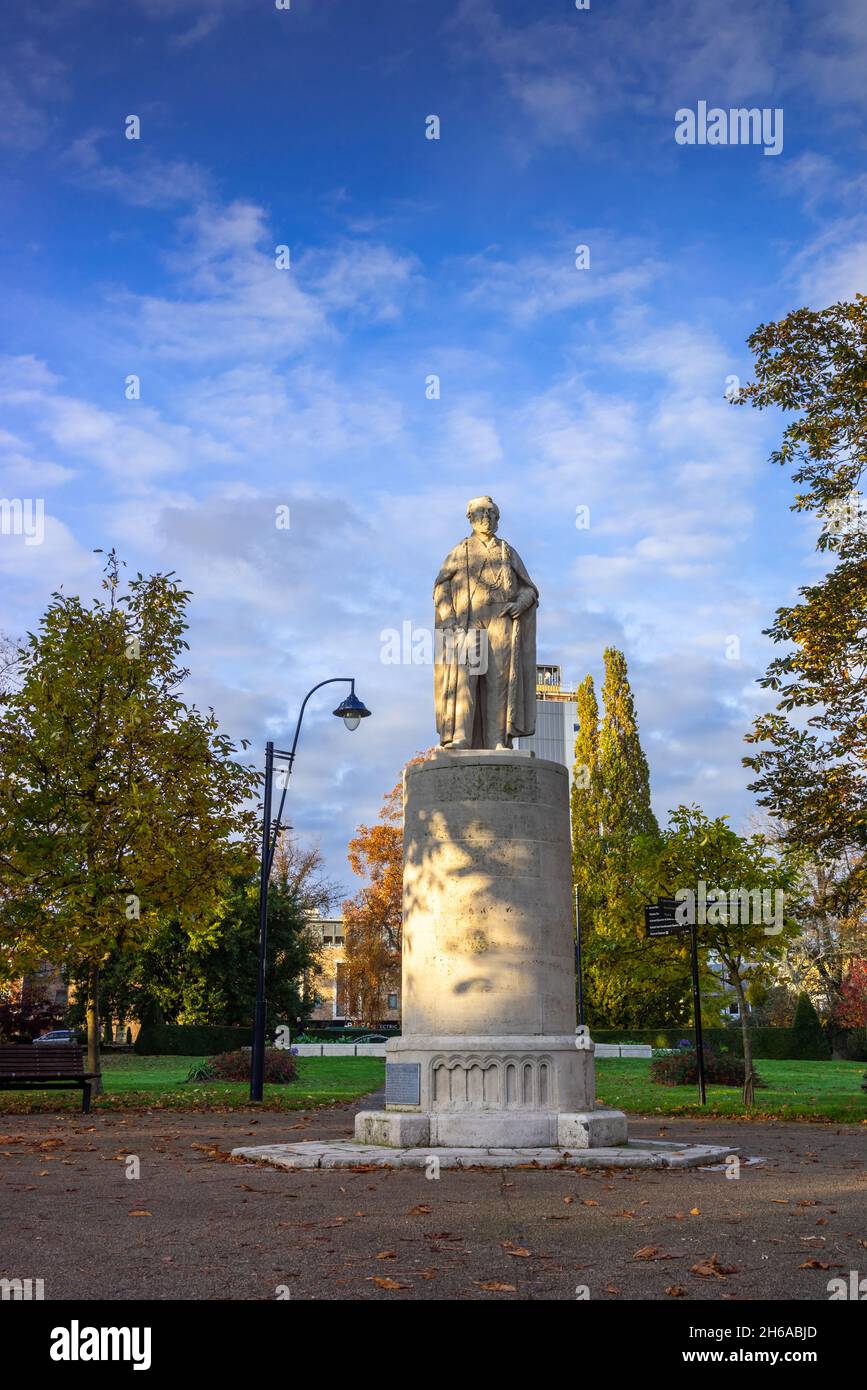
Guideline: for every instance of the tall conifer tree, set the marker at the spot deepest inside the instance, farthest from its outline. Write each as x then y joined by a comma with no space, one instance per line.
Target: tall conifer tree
587,806
628,980
623,766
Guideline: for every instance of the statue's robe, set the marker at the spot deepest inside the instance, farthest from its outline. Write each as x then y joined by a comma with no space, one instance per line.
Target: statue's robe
475,582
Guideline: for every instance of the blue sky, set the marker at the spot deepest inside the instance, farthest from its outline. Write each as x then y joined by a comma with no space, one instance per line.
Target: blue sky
410,257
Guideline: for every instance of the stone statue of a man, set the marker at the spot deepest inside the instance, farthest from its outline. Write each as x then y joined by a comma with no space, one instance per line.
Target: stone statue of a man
485,672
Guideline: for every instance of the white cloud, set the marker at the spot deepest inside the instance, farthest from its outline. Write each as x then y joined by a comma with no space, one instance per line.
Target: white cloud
137,176
31,83
560,73
835,52
234,301
834,267
133,443
536,285
22,474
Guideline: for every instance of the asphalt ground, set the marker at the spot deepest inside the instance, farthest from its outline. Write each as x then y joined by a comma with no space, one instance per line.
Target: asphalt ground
194,1226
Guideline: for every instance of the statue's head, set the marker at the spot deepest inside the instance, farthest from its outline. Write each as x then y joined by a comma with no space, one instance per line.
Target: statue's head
484,516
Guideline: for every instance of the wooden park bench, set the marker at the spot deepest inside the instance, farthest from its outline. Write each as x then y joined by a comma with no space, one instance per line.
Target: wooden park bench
45,1067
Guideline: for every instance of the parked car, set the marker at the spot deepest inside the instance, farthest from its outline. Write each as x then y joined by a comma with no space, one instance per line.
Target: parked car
57,1035
371,1038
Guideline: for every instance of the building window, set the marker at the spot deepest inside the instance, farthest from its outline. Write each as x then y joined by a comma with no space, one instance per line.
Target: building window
392,1001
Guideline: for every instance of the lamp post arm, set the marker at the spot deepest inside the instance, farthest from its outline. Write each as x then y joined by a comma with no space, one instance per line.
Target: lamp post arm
332,680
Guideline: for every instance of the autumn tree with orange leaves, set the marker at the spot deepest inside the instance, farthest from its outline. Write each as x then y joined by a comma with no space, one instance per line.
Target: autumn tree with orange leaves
373,918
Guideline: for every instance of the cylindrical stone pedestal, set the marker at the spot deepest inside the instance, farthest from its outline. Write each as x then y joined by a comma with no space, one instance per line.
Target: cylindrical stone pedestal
488,1054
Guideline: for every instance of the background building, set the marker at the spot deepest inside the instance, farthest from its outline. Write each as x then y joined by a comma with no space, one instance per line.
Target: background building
328,991
330,938
556,719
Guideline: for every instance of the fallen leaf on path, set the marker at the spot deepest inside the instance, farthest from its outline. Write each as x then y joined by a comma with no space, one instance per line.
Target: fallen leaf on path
214,1151
386,1283
712,1269
494,1287
653,1252
676,1290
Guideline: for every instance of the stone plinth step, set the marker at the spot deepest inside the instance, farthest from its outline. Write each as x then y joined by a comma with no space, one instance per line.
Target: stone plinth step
349,1154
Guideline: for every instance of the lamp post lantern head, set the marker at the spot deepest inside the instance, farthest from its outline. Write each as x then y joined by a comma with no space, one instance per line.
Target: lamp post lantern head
351,710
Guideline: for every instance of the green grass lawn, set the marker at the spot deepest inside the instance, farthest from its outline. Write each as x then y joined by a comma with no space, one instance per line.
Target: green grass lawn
145,1083
793,1091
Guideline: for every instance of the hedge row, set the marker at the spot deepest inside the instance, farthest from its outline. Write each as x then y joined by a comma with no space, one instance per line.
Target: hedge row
775,1044
190,1039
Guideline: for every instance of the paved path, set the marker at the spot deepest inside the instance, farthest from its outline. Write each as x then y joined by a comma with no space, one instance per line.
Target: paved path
216,1229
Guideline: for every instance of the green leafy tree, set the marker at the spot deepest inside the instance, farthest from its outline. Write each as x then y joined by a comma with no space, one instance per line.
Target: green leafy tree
120,802
750,923
811,767
215,982
212,980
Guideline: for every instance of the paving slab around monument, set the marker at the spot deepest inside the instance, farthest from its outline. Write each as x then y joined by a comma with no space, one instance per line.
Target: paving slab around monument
639,1153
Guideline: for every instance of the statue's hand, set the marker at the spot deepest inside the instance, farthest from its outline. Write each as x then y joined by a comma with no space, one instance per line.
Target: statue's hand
512,610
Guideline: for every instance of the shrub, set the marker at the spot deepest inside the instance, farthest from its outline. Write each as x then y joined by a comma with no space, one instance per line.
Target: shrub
680,1068
281,1066
809,1043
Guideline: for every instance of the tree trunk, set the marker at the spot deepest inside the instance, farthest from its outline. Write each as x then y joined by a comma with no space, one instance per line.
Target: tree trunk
93,1024
749,1074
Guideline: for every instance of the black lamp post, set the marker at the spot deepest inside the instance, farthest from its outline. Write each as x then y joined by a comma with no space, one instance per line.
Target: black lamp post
351,710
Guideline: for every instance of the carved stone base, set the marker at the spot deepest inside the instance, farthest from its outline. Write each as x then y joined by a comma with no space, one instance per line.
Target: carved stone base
490,1092
507,1072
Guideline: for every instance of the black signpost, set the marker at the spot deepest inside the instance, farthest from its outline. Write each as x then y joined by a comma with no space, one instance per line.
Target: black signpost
660,919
